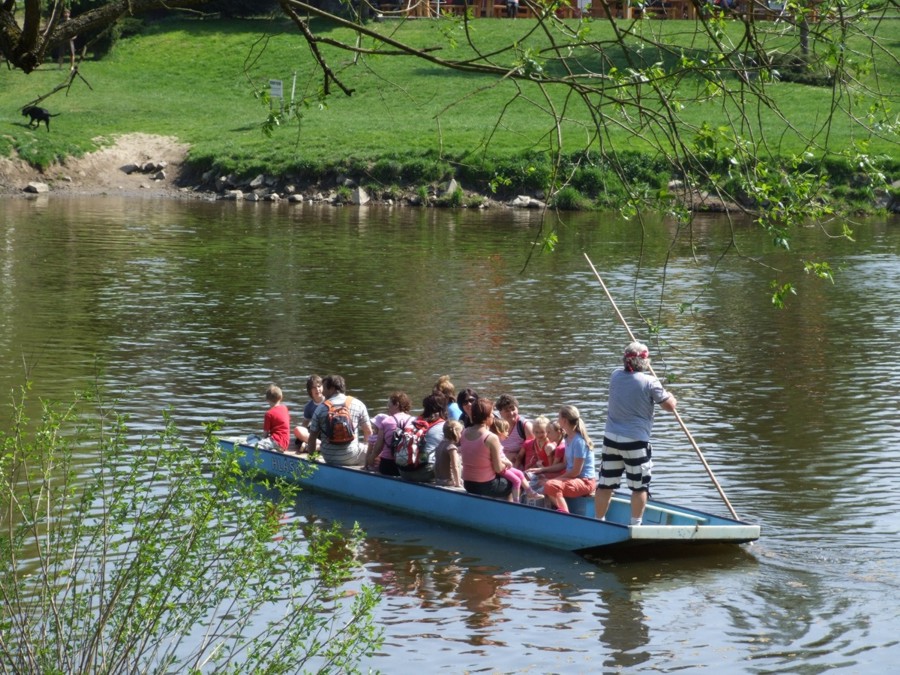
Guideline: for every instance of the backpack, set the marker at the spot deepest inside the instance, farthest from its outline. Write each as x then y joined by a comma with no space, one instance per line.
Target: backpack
520,427
409,441
339,428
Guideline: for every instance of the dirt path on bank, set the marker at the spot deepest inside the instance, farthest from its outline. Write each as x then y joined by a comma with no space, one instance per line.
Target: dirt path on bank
106,171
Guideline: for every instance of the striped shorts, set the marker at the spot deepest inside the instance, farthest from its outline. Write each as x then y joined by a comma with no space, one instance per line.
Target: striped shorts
628,455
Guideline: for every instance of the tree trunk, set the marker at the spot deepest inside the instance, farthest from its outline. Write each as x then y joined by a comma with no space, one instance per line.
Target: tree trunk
24,46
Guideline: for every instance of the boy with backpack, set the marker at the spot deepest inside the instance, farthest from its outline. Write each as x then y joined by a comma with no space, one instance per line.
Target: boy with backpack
336,424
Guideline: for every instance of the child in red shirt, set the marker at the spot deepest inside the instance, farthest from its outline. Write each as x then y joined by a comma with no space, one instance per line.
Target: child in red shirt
537,449
551,458
277,422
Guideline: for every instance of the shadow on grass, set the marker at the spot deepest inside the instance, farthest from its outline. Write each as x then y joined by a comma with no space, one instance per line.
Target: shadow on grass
218,26
591,62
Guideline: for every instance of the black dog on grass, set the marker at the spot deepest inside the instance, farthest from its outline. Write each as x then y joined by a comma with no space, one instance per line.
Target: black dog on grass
37,116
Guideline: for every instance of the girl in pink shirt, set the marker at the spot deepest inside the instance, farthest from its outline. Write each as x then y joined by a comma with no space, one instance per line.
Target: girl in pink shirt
381,455
515,476
482,454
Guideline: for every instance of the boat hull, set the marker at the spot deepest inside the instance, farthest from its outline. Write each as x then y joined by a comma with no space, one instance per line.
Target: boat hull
666,523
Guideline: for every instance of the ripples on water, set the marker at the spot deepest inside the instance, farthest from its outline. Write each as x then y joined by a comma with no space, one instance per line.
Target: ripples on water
198,306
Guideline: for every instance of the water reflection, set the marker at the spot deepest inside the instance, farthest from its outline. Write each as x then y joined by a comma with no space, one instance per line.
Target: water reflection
483,594
197,306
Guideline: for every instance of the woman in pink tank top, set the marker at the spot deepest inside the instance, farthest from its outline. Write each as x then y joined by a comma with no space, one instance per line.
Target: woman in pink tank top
481,455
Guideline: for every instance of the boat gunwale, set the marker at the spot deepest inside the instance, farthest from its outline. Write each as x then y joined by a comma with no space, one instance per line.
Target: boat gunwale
722,523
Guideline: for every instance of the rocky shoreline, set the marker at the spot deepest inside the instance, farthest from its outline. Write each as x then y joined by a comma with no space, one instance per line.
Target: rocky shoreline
156,166
162,178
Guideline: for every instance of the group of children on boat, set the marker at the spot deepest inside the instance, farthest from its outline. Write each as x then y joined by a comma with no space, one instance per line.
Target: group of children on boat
467,441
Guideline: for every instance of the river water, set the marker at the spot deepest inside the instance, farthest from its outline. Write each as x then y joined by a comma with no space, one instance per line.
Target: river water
198,306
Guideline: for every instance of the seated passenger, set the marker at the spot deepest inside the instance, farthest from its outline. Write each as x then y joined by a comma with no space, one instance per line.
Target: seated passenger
465,399
447,462
537,447
515,476
381,458
337,423
578,479
520,429
301,431
430,425
445,386
482,454
551,460
377,422
276,423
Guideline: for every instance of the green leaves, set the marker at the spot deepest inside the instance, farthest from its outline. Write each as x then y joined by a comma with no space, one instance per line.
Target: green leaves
822,270
159,555
780,293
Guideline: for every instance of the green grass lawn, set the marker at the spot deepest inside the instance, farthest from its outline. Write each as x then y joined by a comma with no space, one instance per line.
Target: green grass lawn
195,80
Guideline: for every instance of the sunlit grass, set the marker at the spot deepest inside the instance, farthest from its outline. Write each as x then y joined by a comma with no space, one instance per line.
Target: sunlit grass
195,80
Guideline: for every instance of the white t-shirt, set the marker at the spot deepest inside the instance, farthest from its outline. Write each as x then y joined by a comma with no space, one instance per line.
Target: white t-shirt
632,399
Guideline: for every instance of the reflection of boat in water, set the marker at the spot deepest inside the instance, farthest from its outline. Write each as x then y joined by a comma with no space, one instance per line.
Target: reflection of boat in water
426,569
442,584
664,524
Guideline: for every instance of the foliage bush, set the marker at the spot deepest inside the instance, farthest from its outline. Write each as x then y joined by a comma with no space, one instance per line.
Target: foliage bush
344,194
390,192
592,180
426,170
644,168
453,200
475,174
614,196
530,173
839,168
161,557
308,169
792,67
855,197
569,199
387,171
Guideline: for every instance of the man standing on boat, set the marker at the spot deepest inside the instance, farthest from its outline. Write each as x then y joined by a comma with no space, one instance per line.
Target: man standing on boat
633,393
336,424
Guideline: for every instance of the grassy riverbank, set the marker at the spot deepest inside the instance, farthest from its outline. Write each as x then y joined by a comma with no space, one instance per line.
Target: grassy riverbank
407,122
